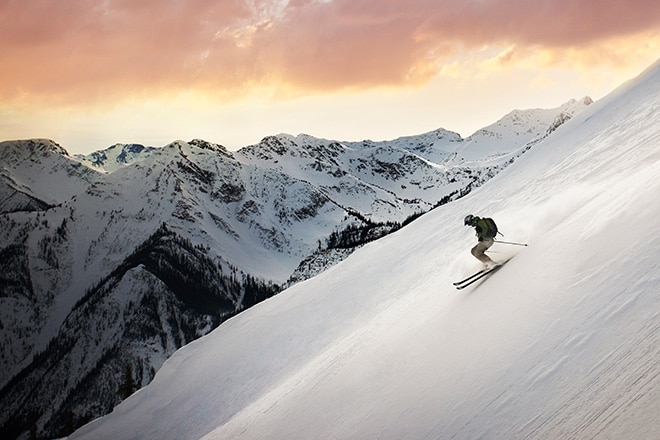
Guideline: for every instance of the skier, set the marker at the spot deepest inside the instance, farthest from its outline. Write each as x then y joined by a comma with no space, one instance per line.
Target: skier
486,231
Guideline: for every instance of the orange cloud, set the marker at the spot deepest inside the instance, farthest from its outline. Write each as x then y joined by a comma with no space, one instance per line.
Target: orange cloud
93,51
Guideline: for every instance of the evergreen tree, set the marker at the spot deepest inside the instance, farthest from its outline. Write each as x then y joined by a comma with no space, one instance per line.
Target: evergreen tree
129,386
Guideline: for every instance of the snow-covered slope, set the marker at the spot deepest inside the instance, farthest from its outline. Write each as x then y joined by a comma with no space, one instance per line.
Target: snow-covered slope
516,128
40,169
116,156
562,342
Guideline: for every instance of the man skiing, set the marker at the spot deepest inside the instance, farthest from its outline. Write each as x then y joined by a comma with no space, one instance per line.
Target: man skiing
486,231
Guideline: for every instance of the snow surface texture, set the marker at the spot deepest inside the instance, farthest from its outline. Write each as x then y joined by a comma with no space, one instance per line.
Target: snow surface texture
562,342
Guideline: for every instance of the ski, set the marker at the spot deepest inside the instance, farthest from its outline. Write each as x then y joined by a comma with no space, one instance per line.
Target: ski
479,275
458,283
474,278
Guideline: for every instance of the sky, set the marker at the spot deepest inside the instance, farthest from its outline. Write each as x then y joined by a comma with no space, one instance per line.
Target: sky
92,73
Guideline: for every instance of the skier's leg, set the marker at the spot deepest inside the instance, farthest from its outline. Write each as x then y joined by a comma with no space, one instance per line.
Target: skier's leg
480,248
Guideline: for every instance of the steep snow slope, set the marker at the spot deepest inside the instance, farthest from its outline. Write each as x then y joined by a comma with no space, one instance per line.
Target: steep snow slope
563,342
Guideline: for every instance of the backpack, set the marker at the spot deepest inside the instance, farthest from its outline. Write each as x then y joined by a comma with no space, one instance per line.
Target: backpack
491,232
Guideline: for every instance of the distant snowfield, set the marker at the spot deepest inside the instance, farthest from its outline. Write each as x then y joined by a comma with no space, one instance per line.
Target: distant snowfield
562,342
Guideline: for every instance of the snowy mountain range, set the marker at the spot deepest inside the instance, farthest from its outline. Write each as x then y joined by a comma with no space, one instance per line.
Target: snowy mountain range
111,262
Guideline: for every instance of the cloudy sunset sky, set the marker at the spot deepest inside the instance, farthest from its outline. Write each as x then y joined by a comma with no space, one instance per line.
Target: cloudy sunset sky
91,73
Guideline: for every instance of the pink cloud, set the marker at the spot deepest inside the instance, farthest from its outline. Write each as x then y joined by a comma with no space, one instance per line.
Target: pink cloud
90,49
543,22
357,42
97,51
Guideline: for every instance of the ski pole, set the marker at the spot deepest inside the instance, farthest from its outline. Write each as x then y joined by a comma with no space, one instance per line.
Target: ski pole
508,242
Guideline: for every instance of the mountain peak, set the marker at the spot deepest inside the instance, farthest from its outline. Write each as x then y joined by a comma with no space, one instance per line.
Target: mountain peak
116,156
517,128
28,147
200,143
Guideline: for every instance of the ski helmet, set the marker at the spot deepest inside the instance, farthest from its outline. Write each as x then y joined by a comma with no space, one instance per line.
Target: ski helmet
469,219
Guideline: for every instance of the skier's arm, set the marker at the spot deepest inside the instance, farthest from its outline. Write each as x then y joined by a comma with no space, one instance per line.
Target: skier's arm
481,230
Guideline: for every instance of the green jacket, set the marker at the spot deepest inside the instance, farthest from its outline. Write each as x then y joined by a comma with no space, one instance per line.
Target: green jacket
481,228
